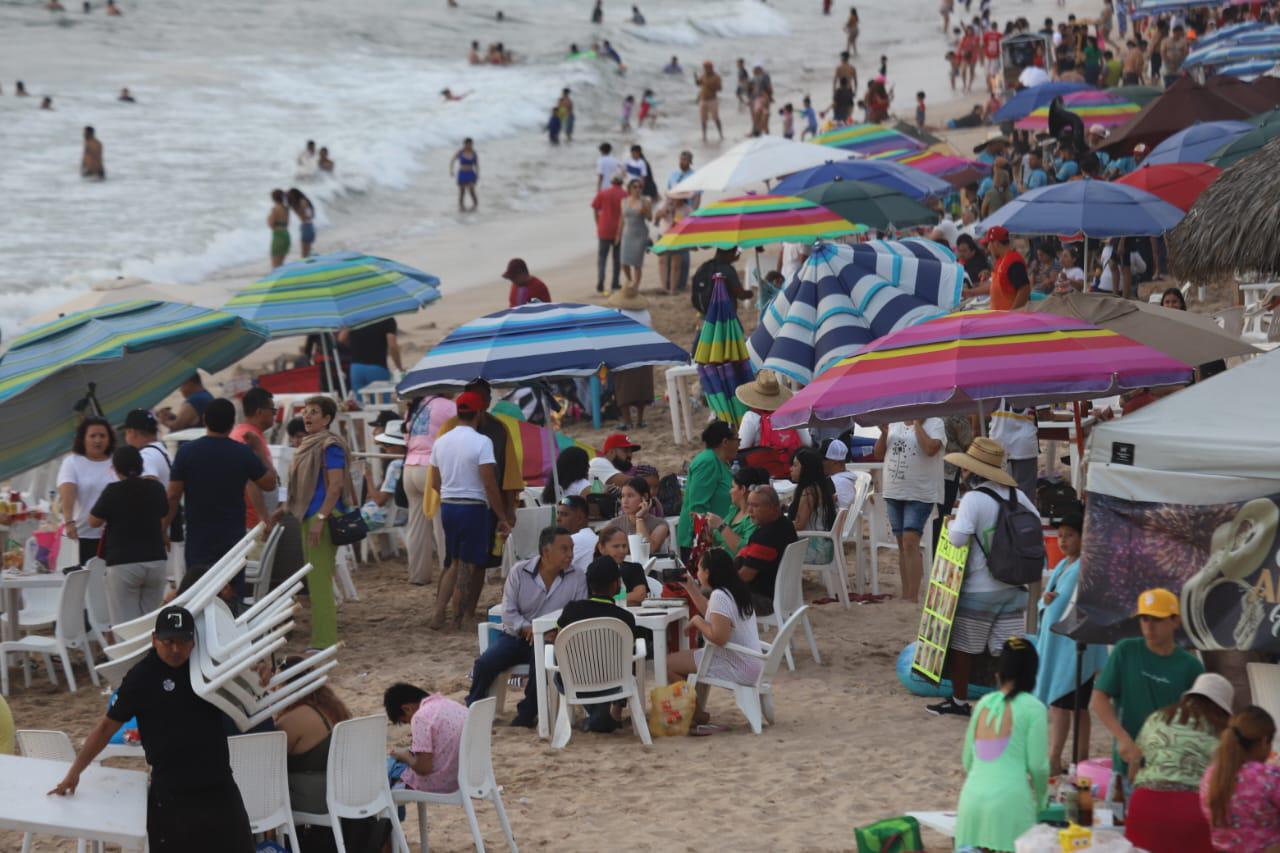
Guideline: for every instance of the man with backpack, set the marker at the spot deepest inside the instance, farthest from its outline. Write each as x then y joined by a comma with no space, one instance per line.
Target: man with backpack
721,263
1001,526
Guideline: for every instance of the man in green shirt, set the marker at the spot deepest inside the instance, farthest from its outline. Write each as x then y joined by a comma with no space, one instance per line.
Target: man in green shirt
1143,675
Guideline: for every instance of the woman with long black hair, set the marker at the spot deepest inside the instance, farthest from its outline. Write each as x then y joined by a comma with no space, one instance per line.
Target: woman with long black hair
814,505
572,471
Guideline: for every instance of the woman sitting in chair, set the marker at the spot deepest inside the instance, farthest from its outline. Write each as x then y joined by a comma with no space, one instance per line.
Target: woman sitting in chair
727,616
733,532
612,542
309,723
639,516
813,506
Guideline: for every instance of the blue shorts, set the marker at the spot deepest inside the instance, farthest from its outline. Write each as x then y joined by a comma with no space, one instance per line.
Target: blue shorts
907,515
466,179
307,233
466,533
367,374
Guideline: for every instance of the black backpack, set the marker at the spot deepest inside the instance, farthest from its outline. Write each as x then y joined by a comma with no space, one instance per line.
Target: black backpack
1016,556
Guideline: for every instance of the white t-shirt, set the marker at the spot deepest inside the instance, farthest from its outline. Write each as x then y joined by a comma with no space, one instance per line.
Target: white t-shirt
600,468
1075,275
977,513
89,478
156,462
749,432
910,474
1016,430
606,167
584,548
744,632
846,483
636,168
397,515
578,487
458,454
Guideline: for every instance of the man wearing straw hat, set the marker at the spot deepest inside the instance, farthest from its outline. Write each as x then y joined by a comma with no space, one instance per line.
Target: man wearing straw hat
988,611
761,445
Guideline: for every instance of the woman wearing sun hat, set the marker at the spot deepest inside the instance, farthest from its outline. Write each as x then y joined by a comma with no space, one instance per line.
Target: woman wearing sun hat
760,445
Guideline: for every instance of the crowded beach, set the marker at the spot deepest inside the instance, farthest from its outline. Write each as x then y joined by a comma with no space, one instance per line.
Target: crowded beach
922,497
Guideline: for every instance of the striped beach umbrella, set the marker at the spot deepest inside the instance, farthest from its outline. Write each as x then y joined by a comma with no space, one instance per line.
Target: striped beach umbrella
1093,107
845,297
325,293
912,183
957,171
755,220
721,356
868,139
539,340
966,362
112,359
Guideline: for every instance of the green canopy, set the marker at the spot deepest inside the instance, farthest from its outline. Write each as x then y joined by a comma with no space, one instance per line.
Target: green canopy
874,205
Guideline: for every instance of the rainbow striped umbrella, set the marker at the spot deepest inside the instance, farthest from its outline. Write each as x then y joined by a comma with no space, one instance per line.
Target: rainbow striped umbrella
869,139
957,171
965,362
755,220
114,358
1093,107
721,356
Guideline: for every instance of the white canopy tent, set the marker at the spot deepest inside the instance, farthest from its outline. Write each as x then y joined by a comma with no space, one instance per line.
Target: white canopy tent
1215,442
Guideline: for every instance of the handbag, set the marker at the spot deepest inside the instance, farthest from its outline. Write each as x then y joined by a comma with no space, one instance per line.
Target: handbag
347,528
892,835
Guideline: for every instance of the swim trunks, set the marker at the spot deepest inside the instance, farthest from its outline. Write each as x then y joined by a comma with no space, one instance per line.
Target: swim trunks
279,243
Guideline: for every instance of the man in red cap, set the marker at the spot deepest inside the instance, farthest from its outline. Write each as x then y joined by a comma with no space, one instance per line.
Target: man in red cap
613,466
524,287
1010,284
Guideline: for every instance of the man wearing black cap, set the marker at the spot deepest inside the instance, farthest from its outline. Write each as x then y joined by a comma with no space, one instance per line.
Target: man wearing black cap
141,430
193,804
524,287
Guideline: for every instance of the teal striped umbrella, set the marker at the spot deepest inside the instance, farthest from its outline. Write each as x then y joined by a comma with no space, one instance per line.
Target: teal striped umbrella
326,293
126,356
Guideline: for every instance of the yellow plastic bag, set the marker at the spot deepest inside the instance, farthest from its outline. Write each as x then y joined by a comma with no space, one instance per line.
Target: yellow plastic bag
671,708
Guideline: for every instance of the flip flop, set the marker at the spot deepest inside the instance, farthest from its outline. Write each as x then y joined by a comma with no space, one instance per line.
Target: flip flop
706,730
826,599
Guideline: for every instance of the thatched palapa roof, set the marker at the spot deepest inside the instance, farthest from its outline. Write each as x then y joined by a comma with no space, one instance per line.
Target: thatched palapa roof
1235,224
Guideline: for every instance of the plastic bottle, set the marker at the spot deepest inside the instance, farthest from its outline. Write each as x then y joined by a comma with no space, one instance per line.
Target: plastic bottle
1118,804
1084,802
1071,804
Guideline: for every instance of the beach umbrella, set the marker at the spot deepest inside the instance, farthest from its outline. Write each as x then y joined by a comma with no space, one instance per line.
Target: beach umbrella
1184,102
539,340
1254,96
110,291
1264,118
909,181
846,296
966,362
1180,184
1196,143
1093,107
1185,335
1027,101
875,205
1248,68
1244,145
759,159
755,220
1093,208
722,357
1140,95
109,360
868,139
957,171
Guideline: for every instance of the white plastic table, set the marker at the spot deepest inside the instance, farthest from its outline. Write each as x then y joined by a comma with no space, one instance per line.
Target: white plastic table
110,805
656,619
10,584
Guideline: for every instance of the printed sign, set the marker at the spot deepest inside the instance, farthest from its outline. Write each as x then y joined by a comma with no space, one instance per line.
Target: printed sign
939,607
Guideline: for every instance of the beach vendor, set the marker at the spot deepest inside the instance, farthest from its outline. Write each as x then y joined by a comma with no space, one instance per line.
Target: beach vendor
193,803
759,444
1010,283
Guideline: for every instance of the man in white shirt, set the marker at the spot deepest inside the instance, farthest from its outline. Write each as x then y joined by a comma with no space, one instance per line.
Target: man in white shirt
988,611
637,166
140,431
1016,430
612,468
465,473
571,514
835,455
606,167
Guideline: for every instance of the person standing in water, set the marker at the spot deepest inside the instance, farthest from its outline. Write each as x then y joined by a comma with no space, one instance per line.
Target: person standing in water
91,165
466,166
301,205
278,222
709,86
597,12
565,108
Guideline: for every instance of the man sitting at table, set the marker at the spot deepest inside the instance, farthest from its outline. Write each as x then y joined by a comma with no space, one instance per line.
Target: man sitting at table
535,587
613,466
604,580
758,560
571,514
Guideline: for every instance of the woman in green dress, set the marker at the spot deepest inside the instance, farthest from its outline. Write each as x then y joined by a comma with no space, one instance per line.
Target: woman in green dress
706,489
1006,757
733,531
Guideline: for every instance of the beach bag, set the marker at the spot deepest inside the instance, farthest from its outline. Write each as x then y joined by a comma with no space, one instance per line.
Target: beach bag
892,835
774,451
1016,555
1056,499
669,495
671,708
347,528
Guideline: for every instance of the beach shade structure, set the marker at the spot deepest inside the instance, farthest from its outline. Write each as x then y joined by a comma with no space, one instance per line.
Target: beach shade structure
846,296
1093,208
536,447
1244,145
1184,335
868,139
1264,118
1248,69
1027,101
1093,107
1184,102
1180,184
1232,226
107,360
1196,143
1140,95
110,291
874,205
759,159
964,363
755,220
911,130
1255,96
957,171
907,180
721,356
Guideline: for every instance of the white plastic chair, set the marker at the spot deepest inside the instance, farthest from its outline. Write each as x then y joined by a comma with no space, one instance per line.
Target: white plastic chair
69,633
95,602
475,778
356,780
788,598
834,573
754,700
523,541
39,608
498,690
259,763
257,573
595,656
866,564
51,746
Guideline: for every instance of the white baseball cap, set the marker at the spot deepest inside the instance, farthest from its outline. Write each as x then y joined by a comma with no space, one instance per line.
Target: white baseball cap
837,451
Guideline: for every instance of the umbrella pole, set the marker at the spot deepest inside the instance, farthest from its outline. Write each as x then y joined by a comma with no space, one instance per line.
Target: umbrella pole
982,420
328,361
1075,714
595,399
337,367
1075,412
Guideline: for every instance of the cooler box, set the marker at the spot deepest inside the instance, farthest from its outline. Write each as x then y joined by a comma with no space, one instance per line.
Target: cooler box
299,380
861,449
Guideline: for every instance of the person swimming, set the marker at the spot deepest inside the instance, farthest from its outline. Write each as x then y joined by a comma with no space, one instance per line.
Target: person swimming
325,164
126,97
473,55
597,12
448,95
636,16
607,50
46,103
91,163
20,89
113,10
673,67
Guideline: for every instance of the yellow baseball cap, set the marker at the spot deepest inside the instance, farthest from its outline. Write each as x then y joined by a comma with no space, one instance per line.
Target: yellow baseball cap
1159,603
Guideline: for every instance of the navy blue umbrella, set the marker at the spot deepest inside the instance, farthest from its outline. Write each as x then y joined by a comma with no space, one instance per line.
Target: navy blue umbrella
1196,143
1028,101
1093,208
911,182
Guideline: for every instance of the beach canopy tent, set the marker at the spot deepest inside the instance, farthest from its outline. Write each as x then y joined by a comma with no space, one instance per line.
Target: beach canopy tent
755,161
846,296
108,360
911,182
1196,143
1182,104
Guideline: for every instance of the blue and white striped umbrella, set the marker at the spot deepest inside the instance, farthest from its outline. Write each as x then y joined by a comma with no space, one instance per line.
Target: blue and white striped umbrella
846,296
539,340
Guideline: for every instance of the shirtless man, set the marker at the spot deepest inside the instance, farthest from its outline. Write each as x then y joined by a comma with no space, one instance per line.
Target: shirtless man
113,11
473,55
845,71
91,163
709,97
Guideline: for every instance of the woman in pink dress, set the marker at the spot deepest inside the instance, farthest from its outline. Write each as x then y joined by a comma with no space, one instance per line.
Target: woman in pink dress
1240,792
